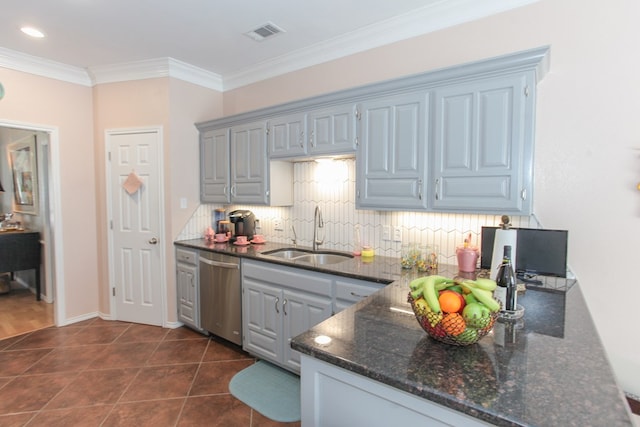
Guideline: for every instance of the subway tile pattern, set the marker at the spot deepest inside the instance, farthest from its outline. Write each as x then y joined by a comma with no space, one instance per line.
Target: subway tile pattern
331,186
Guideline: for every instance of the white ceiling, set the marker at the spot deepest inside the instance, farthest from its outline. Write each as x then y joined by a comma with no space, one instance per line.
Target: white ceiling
208,35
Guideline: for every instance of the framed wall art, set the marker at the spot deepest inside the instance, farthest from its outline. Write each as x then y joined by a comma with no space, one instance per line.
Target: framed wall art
24,169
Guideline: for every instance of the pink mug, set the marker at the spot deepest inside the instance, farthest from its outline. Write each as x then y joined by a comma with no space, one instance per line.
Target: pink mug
221,237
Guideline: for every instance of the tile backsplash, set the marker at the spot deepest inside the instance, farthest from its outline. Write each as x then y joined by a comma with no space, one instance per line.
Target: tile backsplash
331,186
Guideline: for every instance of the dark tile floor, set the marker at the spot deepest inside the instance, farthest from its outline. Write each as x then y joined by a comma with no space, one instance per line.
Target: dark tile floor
105,373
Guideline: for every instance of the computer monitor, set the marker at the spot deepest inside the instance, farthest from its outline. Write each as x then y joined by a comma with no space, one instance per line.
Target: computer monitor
539,251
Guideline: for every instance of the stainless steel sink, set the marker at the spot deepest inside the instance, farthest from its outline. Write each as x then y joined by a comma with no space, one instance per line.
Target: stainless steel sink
298,255
323,258
287,253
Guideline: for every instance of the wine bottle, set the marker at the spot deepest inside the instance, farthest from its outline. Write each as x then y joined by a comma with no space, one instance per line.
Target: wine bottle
506,292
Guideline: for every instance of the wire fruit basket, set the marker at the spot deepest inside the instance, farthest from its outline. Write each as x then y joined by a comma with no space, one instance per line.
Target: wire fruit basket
452,328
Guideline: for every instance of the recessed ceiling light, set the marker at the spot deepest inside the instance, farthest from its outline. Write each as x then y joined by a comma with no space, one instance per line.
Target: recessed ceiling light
33,32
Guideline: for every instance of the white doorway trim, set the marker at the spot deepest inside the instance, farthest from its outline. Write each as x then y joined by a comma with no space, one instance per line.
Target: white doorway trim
161,216
59,308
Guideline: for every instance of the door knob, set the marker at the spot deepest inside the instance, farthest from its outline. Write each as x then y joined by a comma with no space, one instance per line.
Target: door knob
153,241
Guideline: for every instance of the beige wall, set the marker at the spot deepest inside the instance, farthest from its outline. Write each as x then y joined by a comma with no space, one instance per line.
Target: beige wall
587,153
49,103
175,106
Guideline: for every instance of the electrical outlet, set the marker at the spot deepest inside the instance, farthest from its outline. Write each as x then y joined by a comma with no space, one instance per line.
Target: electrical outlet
277,224
386,232
397,234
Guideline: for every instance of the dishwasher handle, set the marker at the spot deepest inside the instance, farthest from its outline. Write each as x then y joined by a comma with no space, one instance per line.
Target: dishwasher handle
220,264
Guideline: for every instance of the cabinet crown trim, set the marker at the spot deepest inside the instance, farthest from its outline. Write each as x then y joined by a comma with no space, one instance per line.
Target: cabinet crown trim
536,60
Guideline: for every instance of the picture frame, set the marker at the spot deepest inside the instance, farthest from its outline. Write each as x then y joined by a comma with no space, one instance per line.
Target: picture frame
24,170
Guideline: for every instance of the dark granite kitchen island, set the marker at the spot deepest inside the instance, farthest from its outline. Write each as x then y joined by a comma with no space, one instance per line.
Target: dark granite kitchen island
547,369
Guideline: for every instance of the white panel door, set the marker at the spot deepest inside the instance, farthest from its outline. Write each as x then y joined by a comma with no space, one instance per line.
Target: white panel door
135,255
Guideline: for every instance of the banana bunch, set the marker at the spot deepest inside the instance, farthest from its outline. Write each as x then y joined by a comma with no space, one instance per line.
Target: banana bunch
482,290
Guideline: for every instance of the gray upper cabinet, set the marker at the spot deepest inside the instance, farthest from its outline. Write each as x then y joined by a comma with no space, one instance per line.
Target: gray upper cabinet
234,168
332,130
391,159
482,158
249,163
458,139
287,136
214,166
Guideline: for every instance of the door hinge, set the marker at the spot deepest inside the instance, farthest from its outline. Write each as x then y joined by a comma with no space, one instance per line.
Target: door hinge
526,90
109,155
113,292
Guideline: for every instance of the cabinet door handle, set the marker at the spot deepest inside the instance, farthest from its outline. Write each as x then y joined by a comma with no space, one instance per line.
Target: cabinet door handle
233,190
284,306
353,294
419,189
437,193
301,140
311,138
523,194
277,301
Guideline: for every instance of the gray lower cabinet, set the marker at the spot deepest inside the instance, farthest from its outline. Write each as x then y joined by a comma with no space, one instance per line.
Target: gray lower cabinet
349,291
483,159
391,159
279,303
188,289
332,396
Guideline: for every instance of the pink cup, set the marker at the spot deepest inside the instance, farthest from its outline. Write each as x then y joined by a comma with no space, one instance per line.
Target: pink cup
221,237
258,238
241,240
467,258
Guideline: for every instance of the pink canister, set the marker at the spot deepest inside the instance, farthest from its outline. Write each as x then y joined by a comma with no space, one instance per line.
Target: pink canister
467,258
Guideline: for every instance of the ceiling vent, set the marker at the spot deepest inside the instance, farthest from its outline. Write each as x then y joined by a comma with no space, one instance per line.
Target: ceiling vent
267,30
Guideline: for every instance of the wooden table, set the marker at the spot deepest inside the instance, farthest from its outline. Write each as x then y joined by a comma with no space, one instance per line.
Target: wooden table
20,250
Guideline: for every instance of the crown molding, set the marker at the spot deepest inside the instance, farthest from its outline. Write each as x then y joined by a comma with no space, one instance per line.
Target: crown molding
428,19
43,67
436,16
153,68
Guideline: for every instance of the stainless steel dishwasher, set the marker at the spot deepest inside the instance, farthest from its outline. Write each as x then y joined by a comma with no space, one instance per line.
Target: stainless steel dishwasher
221,296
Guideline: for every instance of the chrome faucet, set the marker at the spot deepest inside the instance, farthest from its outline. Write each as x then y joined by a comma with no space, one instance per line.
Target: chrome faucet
317,223
295,236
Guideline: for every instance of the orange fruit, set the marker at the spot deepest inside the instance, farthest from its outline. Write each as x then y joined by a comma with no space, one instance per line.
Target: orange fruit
451,301
453,324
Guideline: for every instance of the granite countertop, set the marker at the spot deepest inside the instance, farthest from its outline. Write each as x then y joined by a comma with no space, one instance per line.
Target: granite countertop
547,369
377,269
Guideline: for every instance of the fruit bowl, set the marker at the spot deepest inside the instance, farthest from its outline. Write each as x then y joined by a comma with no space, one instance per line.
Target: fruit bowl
451,328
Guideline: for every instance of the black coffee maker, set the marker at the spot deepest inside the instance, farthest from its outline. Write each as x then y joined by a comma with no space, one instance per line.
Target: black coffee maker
244,224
